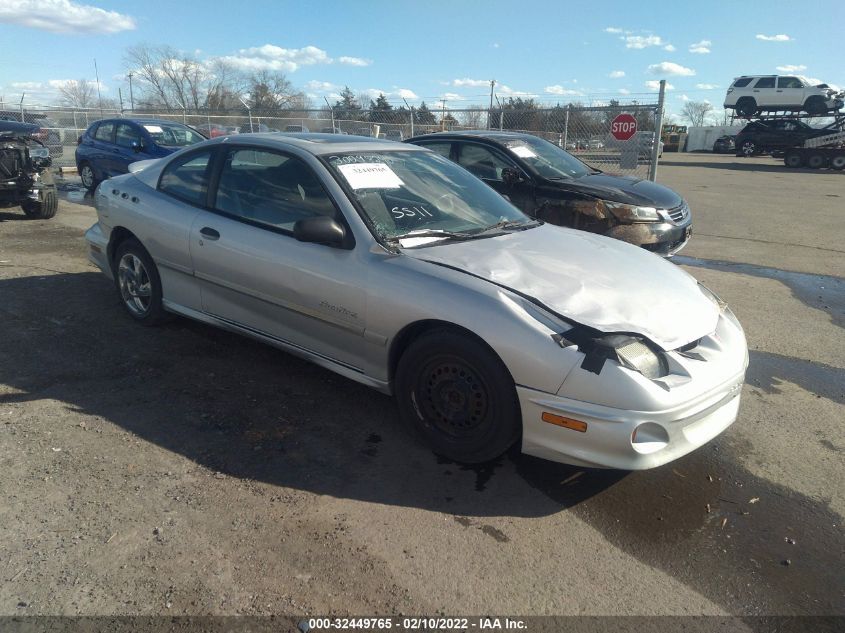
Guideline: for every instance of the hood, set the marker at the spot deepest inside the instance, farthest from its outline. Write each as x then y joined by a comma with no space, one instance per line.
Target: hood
624,189
593,280
14,128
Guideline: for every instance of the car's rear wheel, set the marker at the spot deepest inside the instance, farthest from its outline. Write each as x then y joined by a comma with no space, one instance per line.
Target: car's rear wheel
748,148
815,106
746,107
793,159
459,396
815,160
44,209
838,162
86,175
138,283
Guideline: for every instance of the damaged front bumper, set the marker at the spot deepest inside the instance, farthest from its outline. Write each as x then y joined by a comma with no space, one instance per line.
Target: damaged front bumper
662,238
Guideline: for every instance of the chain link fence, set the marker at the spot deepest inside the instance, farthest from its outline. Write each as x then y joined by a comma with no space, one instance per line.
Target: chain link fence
584,131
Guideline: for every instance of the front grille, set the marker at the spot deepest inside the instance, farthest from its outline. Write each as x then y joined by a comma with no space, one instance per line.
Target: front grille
679,213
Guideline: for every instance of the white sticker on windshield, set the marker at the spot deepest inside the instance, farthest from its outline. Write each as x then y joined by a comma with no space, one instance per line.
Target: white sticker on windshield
153,129
370,176
523,151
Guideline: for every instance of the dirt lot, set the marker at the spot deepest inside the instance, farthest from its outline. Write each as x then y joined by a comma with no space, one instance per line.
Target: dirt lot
184,470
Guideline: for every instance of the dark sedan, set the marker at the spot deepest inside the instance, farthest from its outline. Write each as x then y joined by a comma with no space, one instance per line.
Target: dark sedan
548,183
774,135
724,145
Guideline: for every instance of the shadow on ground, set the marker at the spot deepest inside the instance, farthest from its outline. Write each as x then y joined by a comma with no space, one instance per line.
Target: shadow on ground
250,411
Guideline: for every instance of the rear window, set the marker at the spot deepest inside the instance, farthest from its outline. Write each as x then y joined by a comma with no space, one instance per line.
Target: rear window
742,82
765,82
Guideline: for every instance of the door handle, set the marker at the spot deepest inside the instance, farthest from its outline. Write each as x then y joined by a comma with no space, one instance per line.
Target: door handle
209,233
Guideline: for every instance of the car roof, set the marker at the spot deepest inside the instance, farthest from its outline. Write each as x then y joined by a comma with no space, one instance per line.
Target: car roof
141,121
318,143
494,136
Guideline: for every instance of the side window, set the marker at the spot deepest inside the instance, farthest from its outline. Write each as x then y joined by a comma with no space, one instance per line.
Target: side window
126,135
270,189
765,82
481,161
742,82
444,149
105,132
789,82
186,178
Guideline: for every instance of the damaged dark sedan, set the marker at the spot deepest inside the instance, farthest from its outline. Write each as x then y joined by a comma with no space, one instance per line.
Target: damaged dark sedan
551,184
25,178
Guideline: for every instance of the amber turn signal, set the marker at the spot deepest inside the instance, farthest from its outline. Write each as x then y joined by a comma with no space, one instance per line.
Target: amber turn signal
569,423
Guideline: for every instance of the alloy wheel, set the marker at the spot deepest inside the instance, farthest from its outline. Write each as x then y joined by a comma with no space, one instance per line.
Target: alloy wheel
134,283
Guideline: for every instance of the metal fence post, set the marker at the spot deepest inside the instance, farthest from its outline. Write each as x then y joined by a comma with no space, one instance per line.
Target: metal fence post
412,120
566,125
658,127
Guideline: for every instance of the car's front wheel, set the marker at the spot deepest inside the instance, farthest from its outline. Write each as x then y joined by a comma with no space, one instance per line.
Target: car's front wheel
815,106
86,175
459,395
748,148
138,283
746,107
45,208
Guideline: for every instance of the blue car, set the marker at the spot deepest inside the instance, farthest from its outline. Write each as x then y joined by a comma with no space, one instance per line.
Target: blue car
108,147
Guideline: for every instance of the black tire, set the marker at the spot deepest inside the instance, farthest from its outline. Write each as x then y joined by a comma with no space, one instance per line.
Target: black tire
748,148
746,107
815,106
816,160
143,304
838,162
459,396
793,159
89,182
45,209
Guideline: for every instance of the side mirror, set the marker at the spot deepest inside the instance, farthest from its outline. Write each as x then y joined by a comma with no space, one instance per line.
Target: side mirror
511,176
136,146
320,230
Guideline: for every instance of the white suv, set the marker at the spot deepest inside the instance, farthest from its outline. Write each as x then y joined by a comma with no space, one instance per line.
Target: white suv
750,94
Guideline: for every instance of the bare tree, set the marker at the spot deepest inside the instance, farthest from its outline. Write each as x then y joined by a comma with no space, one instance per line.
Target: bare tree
78,93
271,92
696,112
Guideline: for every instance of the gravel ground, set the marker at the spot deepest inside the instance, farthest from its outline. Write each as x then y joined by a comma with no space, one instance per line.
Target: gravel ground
185,470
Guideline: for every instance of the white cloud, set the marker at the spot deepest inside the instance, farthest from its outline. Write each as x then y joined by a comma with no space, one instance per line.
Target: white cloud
683,97
502,89
671,69
26,85
642,41
613,29
322,86
789,68
405,93
702,48
561,91
64,16
354,61
469,83
271,57
451,96
706,86
617,74
57,84
495,45
669,48
654,84
624,91
781,37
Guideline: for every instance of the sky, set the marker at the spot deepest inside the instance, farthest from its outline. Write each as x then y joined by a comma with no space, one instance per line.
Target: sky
553,51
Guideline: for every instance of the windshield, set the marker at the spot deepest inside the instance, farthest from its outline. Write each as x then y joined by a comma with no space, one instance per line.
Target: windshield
172,134
404,192
548,159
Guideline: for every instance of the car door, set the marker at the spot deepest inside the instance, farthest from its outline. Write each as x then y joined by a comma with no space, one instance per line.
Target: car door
789,92
102,152
130,147
488,164
254,274
764,92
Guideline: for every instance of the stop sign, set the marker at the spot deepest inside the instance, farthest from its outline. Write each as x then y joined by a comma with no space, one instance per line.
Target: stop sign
623,127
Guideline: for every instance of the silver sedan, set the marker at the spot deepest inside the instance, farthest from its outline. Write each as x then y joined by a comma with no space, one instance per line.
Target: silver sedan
394,267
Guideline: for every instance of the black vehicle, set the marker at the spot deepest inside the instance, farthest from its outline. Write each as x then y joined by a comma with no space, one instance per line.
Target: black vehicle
48,131
774,135
548,183
724,145
25,178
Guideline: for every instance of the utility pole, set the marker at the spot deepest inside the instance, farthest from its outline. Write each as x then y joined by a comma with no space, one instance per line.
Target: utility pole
120,96
99,97
490,111
443,115
131,96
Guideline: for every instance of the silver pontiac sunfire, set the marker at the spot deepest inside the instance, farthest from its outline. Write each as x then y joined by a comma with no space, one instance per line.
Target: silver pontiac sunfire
395,267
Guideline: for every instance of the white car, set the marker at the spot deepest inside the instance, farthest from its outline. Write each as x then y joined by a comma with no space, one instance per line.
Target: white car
750,94
397,268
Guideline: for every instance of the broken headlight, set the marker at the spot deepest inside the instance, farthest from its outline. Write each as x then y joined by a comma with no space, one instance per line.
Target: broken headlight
633,353
632,213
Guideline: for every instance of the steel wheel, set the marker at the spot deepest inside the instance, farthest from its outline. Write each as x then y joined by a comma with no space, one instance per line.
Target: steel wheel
86,175
838,162
749,148
815,160
134,283
792,159
453,396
